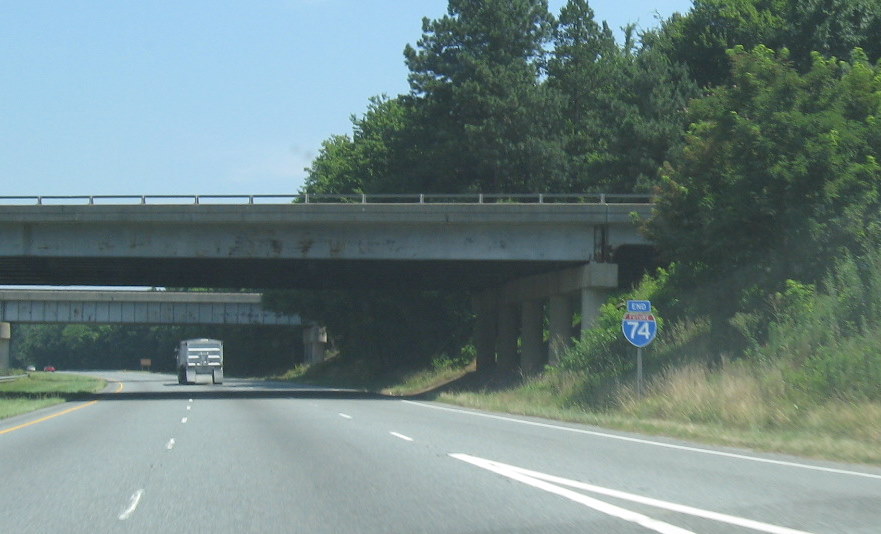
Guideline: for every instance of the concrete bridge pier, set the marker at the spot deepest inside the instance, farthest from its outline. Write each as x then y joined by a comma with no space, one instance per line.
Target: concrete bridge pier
559,326
497,313
314,343
486,310
591,300
507,358
532,353
5,332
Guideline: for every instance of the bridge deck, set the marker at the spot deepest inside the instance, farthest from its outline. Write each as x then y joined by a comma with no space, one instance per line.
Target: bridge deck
314,245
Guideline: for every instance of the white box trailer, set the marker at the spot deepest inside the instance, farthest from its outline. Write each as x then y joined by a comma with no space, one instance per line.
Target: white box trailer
200,358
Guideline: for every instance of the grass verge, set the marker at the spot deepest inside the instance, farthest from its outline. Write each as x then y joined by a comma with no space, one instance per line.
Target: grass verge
737,406
812,439
39,390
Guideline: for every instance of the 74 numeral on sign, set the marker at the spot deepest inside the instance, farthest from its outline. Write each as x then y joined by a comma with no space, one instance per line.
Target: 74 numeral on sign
638,328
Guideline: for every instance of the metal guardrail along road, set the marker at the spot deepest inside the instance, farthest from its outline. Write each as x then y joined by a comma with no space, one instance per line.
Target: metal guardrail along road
10,378
306,198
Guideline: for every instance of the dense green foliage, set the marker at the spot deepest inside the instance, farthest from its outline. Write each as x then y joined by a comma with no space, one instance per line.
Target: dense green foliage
778,176
827,338
775,193
701,39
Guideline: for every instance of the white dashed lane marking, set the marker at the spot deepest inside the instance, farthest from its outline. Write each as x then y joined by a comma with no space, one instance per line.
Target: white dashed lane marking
132,506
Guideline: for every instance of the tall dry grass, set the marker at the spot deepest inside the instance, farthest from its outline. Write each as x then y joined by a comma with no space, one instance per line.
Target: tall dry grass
736,395
754,398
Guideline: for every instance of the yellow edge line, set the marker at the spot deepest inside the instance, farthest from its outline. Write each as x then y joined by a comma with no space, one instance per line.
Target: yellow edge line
54,415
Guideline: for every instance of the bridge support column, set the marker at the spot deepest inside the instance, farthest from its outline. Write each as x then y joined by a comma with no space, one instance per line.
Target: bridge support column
314,342
486,310
591,300
592,282
532,356
506,343
560,326
5,335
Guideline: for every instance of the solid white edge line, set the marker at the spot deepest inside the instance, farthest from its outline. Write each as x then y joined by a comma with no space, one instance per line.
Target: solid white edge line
649,442
590,502
648,501
401,436
132,506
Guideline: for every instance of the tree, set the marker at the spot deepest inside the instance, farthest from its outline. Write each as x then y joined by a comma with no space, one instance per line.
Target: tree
373,160
649,117
475,72
701,38
832,28
586,69
624,107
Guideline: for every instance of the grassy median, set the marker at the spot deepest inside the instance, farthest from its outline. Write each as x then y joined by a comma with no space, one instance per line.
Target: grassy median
39,390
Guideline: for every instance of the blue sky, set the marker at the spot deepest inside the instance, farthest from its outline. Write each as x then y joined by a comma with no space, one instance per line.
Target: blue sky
197,96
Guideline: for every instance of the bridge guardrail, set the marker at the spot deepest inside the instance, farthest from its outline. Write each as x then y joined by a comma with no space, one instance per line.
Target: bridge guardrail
308,198
10,378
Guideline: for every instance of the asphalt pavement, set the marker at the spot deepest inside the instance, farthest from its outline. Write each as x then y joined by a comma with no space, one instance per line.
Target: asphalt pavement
150,455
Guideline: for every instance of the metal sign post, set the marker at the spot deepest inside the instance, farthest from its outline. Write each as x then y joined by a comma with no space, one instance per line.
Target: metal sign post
639,372
639,328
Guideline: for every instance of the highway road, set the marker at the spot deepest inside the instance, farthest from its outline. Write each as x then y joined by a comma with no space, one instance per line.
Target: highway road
149,455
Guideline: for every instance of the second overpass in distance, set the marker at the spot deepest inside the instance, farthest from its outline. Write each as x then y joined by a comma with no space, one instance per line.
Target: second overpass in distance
138,307
36,306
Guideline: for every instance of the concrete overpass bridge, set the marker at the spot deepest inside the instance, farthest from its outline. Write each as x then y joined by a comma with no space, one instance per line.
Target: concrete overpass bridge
515,253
